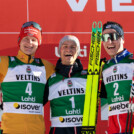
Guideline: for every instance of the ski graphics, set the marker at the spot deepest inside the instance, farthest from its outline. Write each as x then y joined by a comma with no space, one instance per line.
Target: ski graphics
91,95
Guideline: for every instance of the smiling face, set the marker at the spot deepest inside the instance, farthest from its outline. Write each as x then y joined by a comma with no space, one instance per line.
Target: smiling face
68,52
29,45
113,47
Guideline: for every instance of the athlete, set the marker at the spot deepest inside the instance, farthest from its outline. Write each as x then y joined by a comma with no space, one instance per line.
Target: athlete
65,89
117,78
23,78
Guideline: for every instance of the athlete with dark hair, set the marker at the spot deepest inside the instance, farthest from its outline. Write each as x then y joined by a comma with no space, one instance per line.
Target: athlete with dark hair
117,78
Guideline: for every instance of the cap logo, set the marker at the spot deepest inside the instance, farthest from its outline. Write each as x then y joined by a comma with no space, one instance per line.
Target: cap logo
108,26
30,34
31,31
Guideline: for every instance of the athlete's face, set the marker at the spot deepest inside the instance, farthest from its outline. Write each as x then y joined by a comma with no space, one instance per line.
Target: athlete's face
113,47
68,52
29,45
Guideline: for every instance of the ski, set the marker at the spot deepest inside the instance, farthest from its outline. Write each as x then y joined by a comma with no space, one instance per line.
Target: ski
130,109
91,95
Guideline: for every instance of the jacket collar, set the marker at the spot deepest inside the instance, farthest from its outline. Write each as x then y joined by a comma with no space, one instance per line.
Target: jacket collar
25,58
68,70
120,56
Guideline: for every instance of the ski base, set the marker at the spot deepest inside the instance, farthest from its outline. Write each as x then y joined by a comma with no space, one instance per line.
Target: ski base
88,130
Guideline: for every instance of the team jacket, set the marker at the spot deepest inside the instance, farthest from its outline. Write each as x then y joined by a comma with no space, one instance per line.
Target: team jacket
65,90
23,79
117,77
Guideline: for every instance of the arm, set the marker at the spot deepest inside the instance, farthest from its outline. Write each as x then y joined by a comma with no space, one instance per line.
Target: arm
102,89
46,93
103,93
4,63
50,68
1,104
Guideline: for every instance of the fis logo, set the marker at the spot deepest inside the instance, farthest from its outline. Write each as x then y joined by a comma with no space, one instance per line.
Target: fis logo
84,72
37,60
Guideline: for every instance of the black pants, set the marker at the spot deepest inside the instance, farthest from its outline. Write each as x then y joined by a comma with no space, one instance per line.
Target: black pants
65,130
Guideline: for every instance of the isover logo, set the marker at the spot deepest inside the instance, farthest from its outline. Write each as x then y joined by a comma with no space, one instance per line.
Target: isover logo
119,106
71,119
16,105
26,106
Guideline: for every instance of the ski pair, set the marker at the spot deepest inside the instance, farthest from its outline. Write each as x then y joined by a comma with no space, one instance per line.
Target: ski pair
130,109
91,94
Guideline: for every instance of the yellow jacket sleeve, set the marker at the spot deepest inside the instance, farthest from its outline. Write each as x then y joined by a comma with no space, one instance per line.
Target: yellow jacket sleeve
50,68
4,63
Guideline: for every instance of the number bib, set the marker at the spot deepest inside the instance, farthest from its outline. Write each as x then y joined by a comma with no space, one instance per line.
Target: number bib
67,100
23,87
117,80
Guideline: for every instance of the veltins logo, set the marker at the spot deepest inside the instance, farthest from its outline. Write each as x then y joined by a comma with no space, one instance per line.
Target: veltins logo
115,69
28,69
69,83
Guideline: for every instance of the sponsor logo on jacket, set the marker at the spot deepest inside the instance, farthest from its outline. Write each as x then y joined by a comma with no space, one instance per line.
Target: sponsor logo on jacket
116,77
26,106
71,119
119,106
71,91
69,83
27,77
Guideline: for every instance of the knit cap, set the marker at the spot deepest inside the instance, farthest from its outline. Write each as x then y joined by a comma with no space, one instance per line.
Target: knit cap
30,31
71,38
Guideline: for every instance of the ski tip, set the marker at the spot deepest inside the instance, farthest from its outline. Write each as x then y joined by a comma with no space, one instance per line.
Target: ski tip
94,25
99,24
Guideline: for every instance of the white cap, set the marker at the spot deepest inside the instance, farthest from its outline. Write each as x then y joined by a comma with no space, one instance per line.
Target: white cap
72,38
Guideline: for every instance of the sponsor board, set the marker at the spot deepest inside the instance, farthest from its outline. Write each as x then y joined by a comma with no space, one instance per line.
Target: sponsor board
51,16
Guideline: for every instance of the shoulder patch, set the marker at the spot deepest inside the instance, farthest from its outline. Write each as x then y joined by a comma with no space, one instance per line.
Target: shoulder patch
53,75
84,72
37,61
12,58
108,61
131,57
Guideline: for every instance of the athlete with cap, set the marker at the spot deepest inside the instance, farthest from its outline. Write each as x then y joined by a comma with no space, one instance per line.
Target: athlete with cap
65,89
117,78
23,79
